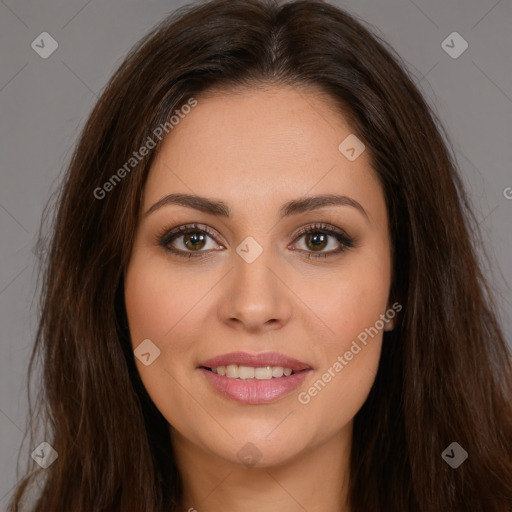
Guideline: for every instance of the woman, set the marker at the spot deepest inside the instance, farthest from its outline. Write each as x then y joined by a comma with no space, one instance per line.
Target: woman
262,290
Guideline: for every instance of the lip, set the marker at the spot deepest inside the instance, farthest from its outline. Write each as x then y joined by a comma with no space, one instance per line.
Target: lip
254,391
256,360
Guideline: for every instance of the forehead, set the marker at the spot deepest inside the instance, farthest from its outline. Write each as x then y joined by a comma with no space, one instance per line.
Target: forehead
247,146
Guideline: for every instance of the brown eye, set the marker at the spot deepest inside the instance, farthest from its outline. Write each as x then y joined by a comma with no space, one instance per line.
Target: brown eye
194,240
316,241
188,241
321,236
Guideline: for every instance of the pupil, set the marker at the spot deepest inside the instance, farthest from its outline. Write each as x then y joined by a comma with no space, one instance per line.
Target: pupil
193,239
317,240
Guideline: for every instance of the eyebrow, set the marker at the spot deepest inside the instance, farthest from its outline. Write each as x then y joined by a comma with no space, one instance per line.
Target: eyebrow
221,209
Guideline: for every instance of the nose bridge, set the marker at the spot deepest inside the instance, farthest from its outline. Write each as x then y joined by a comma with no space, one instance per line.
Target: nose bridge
255,296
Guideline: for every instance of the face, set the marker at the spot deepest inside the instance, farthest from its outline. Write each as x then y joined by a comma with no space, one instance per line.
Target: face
300,285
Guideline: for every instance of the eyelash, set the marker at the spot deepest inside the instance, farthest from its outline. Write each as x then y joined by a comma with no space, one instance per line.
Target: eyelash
165,237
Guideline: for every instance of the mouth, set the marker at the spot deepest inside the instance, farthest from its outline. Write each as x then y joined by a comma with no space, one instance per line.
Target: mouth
264,366
254,378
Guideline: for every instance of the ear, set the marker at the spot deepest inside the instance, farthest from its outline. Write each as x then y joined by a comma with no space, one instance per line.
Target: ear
390,325
390,322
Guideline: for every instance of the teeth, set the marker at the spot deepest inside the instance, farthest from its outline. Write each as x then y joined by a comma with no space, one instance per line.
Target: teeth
277,371
234,371
263,373
245,372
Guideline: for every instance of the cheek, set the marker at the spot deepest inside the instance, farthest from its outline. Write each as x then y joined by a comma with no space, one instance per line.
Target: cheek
152,309
341,387
350,306
350,302
158,300
166,307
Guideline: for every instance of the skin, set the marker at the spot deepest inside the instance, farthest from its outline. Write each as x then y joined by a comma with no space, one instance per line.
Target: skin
256,149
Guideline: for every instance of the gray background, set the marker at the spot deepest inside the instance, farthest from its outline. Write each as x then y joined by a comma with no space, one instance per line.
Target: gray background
44,102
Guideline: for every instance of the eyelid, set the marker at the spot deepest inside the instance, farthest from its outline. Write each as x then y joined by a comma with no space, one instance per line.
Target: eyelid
320,226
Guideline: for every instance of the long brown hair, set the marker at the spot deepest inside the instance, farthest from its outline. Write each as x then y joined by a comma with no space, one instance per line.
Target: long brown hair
445,373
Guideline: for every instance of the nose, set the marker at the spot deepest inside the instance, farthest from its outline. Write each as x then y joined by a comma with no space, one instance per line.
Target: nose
255,297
